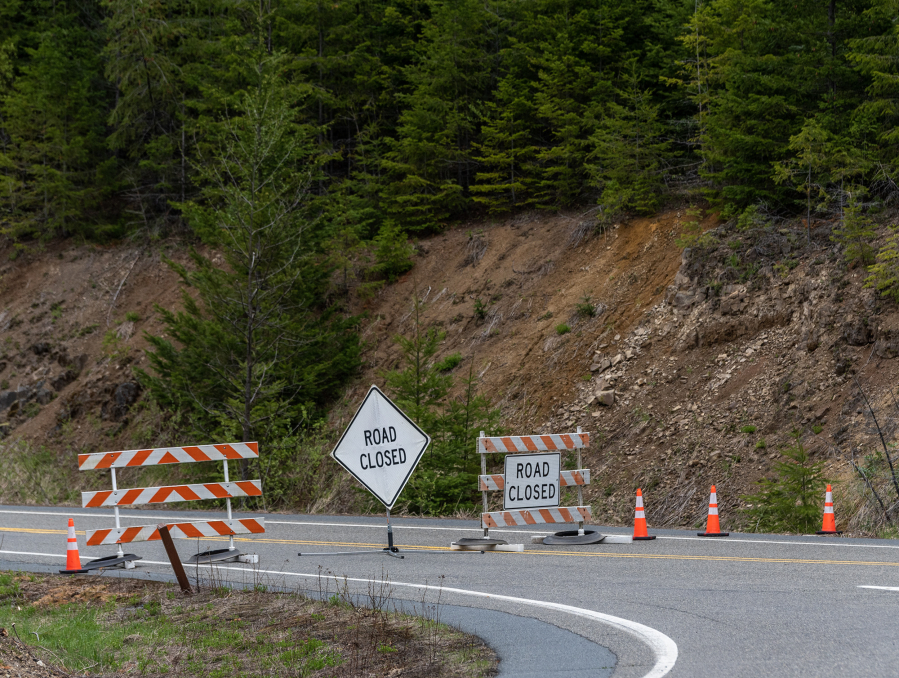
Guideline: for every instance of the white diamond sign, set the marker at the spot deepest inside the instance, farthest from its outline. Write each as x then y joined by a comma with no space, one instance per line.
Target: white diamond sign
381,447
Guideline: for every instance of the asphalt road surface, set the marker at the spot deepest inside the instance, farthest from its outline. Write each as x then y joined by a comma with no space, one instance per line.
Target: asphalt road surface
747,605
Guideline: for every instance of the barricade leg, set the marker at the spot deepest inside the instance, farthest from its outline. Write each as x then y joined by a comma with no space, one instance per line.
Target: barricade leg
120,559
229,555
581,536
486,542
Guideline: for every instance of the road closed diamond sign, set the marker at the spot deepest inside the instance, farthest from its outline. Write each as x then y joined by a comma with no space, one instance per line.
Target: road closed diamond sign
381,447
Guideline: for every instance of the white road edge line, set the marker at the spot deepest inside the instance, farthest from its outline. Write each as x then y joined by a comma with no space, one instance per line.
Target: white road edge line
664,649
459,529
881,588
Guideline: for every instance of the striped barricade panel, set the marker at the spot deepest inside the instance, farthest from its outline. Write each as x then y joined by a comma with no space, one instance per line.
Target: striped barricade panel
559,514
206,528
548,443
497,481
167,455
170,493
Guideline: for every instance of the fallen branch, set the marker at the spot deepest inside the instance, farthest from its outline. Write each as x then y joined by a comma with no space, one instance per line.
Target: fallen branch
882,439
112,305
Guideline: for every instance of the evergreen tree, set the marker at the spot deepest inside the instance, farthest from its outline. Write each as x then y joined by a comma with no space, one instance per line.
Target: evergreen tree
573,50
772,67
53,127
254,345
885,270
792,502
856,231
506,151
149,45
429,165
446,477
629,150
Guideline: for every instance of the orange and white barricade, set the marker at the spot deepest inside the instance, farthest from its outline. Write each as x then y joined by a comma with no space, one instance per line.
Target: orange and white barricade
556,442
171,493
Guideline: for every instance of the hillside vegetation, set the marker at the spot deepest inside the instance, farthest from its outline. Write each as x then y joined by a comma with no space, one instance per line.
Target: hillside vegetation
668,222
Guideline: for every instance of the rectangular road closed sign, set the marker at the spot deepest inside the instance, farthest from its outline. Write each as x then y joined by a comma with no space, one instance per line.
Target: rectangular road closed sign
531,481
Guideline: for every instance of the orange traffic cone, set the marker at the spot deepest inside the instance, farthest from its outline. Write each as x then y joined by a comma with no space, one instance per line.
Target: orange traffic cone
829,524
712,528
640,520
73,561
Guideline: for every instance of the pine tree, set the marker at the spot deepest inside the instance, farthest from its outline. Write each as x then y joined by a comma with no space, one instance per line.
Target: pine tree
856,231
254,347
573,50
446,478
885,271
53,122
792,502
150,45
429,166
629,150
771,68
809,169
506,150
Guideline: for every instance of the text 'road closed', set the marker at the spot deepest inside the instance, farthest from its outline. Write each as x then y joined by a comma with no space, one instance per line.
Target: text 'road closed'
531,481
380,458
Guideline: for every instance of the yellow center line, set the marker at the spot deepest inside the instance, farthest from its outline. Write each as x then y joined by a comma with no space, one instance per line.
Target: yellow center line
578,554
32,530
569,554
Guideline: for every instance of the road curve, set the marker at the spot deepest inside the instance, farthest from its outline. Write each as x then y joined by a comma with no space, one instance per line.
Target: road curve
678,606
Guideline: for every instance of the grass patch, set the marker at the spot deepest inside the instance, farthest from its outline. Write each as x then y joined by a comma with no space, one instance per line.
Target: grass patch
562,328
749,429
89,624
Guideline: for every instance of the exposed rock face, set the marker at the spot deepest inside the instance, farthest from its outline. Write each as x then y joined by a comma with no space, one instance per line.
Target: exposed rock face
856,331
123,398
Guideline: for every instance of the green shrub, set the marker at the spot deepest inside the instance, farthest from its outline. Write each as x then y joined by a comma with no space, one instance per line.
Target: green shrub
132,316
562,328
761,444
586,308
480,309
748,429
449,363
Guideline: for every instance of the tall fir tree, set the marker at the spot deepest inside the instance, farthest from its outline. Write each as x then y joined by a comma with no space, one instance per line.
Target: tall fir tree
629,148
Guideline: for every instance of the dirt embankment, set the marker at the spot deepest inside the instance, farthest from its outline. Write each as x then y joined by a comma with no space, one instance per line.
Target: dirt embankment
692,367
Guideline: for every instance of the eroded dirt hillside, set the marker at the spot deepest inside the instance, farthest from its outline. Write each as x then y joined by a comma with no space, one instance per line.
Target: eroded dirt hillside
693,369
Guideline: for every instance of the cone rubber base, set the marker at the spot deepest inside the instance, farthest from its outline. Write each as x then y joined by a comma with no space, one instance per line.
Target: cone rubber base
74,571
572,538
652,536
480,541
828,532
713,534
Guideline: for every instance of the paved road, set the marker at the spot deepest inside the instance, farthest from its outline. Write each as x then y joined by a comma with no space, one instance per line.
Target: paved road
749,605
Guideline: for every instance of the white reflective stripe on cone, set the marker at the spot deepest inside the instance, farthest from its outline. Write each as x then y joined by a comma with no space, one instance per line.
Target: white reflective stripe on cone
640,514
714,498
713,510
